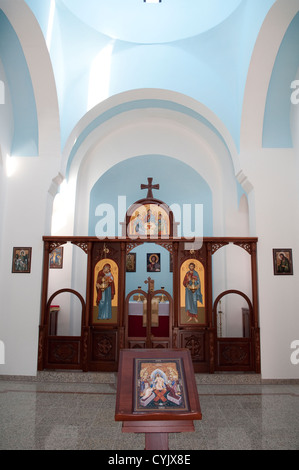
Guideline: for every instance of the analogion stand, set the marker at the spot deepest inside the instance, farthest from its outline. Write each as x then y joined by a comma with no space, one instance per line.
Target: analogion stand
156,394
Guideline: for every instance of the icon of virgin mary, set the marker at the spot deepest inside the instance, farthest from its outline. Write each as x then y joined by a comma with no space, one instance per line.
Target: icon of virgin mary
105,292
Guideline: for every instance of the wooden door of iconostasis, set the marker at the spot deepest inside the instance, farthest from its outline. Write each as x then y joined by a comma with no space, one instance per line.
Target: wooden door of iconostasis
148,318
149,304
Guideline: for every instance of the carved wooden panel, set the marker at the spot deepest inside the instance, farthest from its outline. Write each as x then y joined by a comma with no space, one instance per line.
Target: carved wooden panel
234,353
195,342
245,245
61,351
104,345
217,245
162,344
106,250
53,245
137,344
82,245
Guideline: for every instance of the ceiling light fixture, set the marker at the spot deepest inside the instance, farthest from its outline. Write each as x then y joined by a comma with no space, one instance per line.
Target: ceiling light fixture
152,1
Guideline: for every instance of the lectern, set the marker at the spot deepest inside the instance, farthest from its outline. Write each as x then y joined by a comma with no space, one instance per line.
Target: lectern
156,394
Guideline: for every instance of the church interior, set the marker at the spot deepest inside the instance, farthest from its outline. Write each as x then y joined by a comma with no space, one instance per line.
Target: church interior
149,200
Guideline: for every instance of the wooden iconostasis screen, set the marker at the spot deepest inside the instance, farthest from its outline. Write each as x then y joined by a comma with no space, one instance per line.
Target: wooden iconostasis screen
100,296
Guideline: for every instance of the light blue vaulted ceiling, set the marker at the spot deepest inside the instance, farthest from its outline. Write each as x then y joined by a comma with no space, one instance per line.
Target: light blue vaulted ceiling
200,49
197,48
25,134
277,131
133,21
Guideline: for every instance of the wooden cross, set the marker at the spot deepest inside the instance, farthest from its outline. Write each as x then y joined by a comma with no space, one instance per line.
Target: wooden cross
151,284
149,187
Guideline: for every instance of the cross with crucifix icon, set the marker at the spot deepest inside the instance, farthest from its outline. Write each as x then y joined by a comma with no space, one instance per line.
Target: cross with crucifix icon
151,284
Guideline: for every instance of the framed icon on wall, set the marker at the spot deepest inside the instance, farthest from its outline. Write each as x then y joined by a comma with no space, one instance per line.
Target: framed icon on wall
56,258
21,260
282,261
131,263
153,262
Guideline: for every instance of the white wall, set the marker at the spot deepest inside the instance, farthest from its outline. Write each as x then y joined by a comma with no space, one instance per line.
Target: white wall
24,226
26,199
273,176
273,200
6,133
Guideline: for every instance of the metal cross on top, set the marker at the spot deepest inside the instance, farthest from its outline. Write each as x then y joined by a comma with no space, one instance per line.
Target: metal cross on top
149,187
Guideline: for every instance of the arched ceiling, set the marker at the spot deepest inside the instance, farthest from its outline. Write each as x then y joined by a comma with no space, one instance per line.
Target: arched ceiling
147,23
25,136
276,130
196,48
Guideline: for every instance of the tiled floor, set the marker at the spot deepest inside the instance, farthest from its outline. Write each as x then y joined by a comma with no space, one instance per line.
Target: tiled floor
46,415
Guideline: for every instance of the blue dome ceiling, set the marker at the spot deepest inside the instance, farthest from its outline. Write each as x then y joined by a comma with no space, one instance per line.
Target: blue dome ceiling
143,23
196,48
